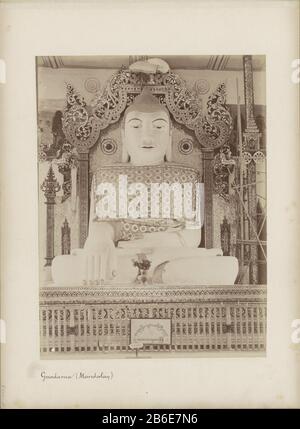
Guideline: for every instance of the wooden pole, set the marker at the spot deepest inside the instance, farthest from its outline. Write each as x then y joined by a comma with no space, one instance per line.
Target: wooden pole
208,156
241,177
83,196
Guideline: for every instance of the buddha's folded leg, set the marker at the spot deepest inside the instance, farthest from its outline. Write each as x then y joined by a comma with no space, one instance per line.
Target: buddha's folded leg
69,270
92,269
84,267
210,270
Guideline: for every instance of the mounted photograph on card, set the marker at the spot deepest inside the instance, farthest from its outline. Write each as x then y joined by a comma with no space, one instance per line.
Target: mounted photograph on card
152,205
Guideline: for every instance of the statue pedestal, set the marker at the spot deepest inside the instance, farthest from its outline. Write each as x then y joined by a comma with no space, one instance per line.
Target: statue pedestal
203,318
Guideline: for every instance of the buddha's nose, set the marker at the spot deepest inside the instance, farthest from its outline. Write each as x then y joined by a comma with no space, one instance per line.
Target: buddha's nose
147,136
147,140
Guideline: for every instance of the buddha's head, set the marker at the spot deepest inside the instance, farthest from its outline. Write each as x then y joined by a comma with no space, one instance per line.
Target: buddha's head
146,131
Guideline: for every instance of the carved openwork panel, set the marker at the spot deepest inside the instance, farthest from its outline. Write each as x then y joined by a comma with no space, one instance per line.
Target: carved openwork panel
231,318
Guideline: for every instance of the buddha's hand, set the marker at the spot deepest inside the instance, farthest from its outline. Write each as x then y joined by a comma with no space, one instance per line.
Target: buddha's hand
100,253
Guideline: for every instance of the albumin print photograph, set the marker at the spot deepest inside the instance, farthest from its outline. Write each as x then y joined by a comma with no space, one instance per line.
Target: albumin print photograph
152,206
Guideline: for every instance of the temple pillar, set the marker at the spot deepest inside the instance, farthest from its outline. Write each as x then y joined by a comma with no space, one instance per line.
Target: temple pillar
208,157
251,144
225,237
50,187
83,172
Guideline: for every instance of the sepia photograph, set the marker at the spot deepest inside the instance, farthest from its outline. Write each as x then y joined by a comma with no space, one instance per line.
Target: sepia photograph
152,206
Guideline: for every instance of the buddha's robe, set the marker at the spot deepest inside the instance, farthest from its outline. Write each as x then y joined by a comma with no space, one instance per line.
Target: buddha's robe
130,227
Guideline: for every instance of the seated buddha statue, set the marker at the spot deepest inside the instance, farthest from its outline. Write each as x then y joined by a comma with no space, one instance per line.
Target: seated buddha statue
145,212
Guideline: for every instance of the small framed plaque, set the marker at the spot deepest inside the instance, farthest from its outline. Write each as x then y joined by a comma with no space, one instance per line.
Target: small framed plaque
150,331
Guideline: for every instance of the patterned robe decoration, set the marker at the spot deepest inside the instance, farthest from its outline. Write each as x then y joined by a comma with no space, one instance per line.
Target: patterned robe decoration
129,227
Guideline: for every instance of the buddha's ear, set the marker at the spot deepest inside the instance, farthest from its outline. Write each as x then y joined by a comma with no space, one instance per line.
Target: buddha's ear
169,151
125,155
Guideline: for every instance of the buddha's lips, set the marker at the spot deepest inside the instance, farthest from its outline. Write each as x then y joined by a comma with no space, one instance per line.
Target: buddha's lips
148,147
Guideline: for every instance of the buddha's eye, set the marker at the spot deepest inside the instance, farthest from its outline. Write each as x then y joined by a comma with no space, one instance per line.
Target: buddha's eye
135,123
159,124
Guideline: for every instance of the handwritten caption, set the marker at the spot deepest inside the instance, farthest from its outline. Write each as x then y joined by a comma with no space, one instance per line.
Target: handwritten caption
76,376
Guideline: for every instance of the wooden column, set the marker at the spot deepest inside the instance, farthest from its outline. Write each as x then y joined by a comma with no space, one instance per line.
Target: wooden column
208,156
225,237
252,209
83,172
50,187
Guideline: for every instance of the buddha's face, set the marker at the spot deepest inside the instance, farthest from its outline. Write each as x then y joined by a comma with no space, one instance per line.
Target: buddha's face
147,136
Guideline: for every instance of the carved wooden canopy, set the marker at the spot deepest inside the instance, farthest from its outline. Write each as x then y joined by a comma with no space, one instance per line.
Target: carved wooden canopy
82,124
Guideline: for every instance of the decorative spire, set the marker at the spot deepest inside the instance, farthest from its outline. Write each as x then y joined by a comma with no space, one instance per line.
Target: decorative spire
251,134
50,186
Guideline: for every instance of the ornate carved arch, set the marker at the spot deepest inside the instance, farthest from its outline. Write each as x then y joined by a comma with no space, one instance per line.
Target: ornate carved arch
82,124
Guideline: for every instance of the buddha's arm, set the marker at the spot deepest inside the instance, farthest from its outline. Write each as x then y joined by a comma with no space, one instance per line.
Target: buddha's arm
190,237
100,234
